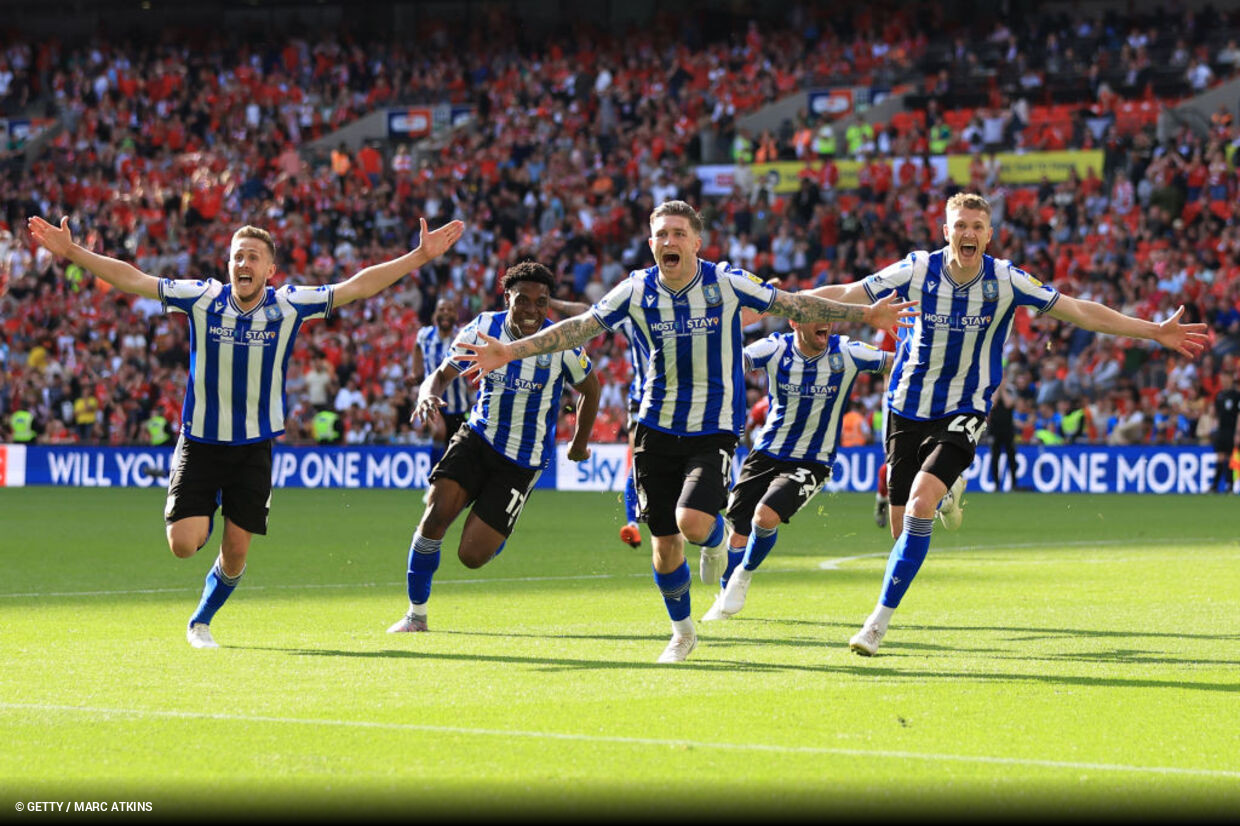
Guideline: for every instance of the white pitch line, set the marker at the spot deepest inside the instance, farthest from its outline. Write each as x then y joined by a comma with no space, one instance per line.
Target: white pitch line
633,741
825,565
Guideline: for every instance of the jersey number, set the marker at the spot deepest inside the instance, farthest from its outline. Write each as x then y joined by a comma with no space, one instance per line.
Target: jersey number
968,425
515,503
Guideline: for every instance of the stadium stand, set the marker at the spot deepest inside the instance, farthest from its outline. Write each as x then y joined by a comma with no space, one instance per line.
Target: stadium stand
165,141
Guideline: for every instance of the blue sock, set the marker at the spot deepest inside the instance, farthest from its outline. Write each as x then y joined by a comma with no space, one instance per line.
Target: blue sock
761,540
906,557
423,562
716,533
500,549
630,499
735,557
217,589
675,590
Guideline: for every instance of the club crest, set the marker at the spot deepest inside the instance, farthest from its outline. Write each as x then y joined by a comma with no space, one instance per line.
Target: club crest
836,362
543,360
713,297
273,312
990,291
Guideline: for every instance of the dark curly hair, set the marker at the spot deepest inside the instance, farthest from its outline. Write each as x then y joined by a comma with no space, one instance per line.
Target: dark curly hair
528,271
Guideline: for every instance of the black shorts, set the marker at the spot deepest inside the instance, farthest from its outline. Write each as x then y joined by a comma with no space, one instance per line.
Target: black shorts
452,422
234,477
784,487
941,447
680,472
497,487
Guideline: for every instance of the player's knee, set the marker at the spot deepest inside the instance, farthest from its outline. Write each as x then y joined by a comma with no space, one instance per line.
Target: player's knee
184,546
695,527
922,506
766,518
474,556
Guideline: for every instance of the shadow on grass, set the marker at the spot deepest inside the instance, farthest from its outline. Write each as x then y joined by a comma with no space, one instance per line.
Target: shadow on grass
541,663
887,665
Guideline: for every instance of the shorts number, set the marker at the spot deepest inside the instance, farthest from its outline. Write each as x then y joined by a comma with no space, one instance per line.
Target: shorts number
515,503
726,468
970,426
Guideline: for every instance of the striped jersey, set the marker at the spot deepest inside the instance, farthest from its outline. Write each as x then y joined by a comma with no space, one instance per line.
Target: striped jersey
951,360
695,380
808,396
238,359
518,404
639,360
458,396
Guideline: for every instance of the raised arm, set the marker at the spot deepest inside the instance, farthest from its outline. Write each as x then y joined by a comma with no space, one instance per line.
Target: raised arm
491,353
1187,339
379,277
853,293
587,409
885,314
120,274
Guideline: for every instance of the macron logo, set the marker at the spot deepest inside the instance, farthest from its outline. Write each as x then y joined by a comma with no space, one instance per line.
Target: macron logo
651,299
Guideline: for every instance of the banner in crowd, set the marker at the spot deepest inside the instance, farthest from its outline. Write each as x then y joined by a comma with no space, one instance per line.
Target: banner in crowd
1031,167
784,177
1060,469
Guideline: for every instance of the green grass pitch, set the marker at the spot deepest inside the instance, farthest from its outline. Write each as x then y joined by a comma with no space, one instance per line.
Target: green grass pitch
1061,654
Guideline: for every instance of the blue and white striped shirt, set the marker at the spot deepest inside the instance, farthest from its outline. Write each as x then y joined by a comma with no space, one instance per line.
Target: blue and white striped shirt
809,396
238,360
639,362
695,381
951,361
458,396
517,405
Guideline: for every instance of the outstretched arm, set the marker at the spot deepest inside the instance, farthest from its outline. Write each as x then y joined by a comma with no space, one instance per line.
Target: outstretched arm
379,277
491,353
120,274
1186,339
885,314
587,409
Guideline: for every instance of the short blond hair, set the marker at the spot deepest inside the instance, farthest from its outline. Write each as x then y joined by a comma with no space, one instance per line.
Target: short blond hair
968,200
259,233
681,209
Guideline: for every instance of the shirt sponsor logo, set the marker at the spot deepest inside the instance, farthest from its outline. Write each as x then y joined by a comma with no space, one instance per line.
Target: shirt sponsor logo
250,338
692,326
952,321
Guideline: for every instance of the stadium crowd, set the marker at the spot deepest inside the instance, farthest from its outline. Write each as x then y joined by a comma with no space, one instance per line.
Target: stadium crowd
169,148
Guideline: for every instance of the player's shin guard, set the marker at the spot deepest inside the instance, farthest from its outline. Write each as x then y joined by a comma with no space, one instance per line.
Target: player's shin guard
675,589
735,557
215,592
906,557
761,540
423,562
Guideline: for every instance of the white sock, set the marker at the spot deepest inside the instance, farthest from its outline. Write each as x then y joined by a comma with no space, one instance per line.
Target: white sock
418,610
683,628
881,616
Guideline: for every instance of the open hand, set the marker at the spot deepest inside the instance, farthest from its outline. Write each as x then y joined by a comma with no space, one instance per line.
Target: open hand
890,314
1186,339
487,354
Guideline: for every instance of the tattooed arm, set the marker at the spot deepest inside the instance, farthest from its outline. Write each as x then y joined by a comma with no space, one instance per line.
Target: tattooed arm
884,314
491,353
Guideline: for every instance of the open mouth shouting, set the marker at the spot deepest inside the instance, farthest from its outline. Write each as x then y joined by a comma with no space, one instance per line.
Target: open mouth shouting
670,260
